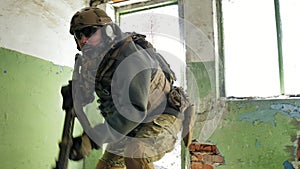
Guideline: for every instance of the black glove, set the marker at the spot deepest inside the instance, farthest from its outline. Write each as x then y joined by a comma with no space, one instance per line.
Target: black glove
75,152
66,92
81,147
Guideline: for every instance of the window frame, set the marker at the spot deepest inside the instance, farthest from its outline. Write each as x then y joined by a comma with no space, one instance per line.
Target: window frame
141,6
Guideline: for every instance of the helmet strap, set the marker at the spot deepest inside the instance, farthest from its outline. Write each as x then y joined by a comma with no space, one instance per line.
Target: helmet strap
78,47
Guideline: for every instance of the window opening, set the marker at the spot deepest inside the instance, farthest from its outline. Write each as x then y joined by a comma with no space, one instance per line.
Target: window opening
260,48
289,11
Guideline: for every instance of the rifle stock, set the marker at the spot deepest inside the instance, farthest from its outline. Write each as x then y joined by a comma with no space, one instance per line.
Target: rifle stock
66,141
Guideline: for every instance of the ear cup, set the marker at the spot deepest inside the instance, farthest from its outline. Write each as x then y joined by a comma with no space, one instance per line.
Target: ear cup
110,32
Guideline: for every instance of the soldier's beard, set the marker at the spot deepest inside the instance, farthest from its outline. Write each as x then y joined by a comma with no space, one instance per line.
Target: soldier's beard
90,51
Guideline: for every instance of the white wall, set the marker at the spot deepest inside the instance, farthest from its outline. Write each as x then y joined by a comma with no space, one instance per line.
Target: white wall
39,28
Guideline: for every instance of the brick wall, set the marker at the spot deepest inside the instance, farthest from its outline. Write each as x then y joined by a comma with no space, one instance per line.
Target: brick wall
204,156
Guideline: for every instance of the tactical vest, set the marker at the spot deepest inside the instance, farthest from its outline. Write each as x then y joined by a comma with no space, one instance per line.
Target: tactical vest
159,86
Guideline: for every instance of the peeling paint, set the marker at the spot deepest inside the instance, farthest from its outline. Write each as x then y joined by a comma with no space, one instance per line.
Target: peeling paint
265,116
290,110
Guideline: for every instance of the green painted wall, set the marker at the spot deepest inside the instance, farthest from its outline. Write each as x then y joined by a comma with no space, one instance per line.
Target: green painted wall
258,134
31,118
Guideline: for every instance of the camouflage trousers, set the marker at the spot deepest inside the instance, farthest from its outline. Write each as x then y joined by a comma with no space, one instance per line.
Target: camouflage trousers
150,143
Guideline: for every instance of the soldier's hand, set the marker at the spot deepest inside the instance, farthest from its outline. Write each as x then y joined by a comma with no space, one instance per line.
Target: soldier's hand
66,92
81,148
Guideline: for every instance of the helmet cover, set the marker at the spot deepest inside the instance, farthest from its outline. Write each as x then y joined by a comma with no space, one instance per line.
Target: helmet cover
89,16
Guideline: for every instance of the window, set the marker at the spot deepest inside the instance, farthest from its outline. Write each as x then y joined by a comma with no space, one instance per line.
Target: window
260,57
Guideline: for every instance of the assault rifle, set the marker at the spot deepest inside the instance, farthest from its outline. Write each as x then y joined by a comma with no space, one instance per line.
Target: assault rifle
66,140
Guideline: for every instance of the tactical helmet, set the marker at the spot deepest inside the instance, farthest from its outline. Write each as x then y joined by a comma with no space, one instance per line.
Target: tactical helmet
89,16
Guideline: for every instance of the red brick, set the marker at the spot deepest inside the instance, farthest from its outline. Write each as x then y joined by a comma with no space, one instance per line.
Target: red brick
195,146
196,156
209,148
203,147
201,166
192,147
212,159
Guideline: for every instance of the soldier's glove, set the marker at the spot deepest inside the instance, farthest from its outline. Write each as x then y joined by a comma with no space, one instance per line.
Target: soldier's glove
66,92
81,148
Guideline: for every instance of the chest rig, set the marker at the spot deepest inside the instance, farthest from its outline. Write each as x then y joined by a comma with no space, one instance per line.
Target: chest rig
159,86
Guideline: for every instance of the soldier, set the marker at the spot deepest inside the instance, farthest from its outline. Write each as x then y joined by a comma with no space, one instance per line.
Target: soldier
137,99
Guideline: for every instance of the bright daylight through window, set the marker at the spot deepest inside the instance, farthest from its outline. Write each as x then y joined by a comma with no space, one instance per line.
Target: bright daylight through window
252,51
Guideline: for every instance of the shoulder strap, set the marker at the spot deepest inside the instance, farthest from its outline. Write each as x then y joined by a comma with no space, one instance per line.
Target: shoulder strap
110,59
141,41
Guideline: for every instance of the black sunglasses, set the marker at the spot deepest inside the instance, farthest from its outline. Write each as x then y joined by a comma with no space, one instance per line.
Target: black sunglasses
87,32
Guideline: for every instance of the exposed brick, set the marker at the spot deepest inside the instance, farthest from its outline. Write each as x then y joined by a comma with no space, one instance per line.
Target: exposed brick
204,156
203,147
196,156
196,165
212,159
192,147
